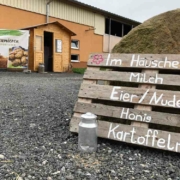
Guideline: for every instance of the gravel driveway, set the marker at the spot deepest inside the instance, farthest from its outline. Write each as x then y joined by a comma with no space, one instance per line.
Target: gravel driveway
35,142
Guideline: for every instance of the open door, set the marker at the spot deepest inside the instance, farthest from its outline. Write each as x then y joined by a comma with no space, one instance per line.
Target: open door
57,53
48,51
38,48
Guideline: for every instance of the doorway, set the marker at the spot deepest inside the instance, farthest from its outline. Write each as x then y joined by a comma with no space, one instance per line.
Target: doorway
48,51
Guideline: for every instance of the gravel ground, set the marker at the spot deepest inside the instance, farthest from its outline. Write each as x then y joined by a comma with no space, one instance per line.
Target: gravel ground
35,142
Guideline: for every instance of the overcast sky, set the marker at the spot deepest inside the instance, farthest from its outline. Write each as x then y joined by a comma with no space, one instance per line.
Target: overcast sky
139,10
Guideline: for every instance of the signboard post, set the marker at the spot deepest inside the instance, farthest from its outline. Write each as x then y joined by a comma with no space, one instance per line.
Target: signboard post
14,48
140,104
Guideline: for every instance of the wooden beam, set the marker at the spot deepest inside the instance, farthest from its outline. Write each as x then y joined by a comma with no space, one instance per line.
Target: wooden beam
133,77
151,97
129,114
145,61
135,135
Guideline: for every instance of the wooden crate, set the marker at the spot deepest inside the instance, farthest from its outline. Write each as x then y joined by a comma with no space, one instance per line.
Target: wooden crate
135,96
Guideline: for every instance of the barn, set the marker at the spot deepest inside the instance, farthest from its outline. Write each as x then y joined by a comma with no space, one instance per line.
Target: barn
96,30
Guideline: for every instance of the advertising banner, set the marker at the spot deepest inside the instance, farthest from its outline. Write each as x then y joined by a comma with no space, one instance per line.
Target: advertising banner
14,48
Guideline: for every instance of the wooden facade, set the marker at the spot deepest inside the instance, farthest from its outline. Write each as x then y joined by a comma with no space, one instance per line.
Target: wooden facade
50,44
135,97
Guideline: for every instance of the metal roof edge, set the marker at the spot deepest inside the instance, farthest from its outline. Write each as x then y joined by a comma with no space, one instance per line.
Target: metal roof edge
101,11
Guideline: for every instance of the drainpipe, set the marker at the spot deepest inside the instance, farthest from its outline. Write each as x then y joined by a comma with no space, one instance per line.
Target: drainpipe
47,10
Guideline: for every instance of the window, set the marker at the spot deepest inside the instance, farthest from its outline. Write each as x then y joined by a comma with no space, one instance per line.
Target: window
116,28
74,58
75,44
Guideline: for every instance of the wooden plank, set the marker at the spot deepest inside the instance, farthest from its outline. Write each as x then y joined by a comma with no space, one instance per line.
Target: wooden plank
135,135
129,114
144,61
131,95
148,78
38,48
141,124
86,100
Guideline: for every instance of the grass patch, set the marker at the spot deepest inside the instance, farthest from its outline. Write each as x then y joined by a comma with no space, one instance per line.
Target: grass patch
79,70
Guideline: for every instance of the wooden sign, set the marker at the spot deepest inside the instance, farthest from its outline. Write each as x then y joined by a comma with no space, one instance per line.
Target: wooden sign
136,98
144,61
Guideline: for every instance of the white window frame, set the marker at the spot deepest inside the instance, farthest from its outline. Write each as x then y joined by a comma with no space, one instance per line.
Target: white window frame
75,60
75,41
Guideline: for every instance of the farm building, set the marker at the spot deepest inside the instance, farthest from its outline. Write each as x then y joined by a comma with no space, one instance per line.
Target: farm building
53,50
96,30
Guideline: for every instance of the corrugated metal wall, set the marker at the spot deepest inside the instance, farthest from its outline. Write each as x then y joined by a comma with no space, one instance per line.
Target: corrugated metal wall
38,6
61,10
99,24
70,13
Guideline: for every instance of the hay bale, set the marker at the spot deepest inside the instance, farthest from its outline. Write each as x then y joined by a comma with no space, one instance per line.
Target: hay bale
158,35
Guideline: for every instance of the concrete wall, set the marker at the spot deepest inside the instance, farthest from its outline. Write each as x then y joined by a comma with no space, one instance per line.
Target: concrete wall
109,42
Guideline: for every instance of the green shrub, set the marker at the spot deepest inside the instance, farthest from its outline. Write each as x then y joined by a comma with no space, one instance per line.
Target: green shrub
79,70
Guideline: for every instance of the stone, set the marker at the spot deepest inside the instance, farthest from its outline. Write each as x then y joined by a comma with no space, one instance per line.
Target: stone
70,177
32,125
88,174
109,151
19,178
57,172
146,171
49,178
2,156
44,162
63,169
